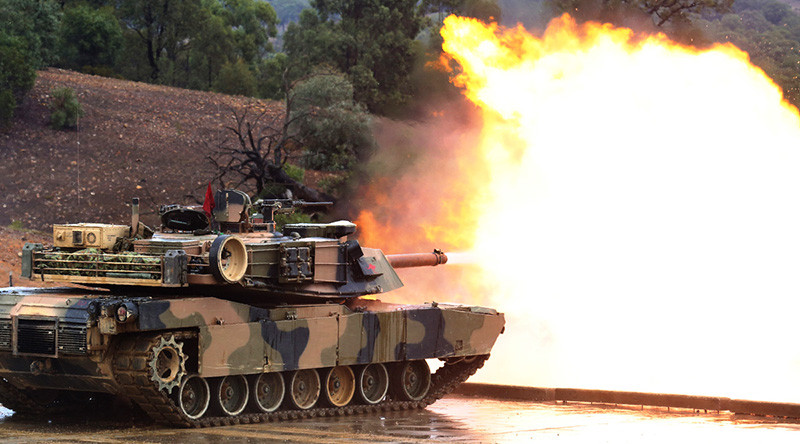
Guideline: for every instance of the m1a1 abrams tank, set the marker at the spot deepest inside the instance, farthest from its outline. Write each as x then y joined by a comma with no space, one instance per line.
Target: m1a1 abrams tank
220,320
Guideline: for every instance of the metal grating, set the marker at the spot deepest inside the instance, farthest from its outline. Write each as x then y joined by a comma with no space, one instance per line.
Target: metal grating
97,265
72,339
36,336
5,334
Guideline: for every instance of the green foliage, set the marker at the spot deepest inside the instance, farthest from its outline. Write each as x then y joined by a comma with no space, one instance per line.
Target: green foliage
7,105
295,172
210,50
164,27
272,190
333,184
235,79
66,110
227,30
769,32
35,23
372,41
484,10
17,74
297,217
16,225
103,71
132,62
674,12
334,129
288,10
253,23
270,82
27,42
775,12
89,37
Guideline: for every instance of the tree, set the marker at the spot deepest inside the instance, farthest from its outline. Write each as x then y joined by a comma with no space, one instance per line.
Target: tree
17,74
660,11
35,23
211,49
253,23
256,150
484,10
228,31
333,128
89,37
769,33
288,10
371,41
271,69
236,79
319,122
164,27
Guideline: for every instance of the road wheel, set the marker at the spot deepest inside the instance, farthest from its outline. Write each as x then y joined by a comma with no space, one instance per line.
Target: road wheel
230,394
193,397
373,383
340,385
411,380
266,392
304,389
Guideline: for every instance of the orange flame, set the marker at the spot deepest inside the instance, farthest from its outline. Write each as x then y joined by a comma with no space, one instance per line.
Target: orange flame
629,203
428,202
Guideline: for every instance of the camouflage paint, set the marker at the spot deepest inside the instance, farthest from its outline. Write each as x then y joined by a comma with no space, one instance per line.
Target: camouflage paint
350,339
235,338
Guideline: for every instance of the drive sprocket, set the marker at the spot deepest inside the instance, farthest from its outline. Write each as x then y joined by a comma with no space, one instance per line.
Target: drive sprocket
167,364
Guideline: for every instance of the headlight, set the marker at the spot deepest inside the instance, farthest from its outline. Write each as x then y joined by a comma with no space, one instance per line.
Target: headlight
127,312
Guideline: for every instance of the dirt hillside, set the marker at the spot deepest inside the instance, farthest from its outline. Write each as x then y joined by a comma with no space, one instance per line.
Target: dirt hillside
11,242
136,140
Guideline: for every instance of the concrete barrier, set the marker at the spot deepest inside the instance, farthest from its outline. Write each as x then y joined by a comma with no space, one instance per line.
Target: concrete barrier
640,398
712,403
514,392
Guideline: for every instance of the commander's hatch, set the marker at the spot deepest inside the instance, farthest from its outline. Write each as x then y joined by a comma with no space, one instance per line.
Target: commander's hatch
178,218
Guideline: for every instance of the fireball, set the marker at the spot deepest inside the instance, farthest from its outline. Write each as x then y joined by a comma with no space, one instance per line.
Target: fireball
638,218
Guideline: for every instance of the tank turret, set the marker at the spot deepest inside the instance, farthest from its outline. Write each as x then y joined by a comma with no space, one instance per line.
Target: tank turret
236,244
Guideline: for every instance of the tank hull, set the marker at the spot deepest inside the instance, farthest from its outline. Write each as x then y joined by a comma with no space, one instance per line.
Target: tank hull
153,349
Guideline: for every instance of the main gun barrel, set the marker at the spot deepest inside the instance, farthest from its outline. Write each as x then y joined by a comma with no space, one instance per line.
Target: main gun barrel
417,259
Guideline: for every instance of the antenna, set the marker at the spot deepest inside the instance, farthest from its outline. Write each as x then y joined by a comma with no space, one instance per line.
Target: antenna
78,161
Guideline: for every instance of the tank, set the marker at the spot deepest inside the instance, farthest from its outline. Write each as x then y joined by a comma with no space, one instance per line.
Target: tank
217,318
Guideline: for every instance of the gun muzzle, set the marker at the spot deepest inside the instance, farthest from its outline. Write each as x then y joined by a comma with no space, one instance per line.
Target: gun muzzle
417,259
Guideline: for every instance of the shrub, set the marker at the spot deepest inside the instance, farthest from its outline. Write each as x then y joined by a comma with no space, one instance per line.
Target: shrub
235,79
333,184
295,172
282,219
17,74
335,130
66,110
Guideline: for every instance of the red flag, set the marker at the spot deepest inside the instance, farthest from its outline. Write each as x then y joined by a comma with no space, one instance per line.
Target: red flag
208,202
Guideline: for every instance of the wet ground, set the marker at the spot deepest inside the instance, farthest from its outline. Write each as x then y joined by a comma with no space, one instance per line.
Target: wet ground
453,419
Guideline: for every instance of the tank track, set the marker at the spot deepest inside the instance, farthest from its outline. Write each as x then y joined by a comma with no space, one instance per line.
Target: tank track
55,402
15,399
132,374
